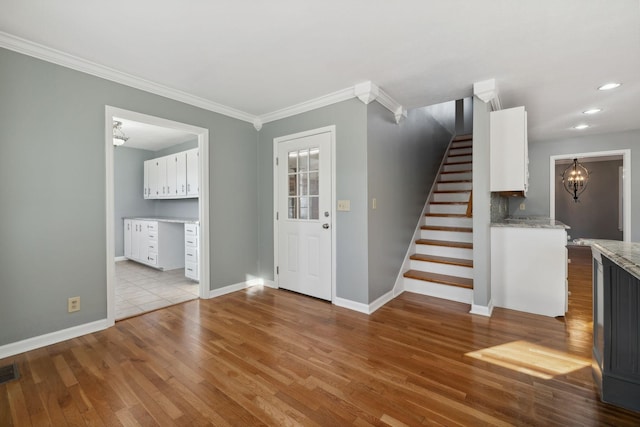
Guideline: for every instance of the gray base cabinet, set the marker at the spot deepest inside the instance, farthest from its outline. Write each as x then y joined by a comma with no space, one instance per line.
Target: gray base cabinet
616,333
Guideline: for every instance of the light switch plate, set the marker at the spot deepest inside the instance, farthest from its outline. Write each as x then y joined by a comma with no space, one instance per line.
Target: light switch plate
344,205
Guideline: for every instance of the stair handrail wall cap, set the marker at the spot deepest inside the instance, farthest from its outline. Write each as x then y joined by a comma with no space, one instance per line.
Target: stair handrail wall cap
487,91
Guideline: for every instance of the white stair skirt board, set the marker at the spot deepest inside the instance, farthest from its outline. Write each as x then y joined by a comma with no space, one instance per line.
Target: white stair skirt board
450,236
440,268
29,344
437,290
482,310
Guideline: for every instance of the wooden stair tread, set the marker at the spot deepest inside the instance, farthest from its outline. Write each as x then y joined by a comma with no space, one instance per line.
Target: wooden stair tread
457,181
457,163
445,228
467,137
440,278
449,215
459,155
449,203
452,191
443,260
463,245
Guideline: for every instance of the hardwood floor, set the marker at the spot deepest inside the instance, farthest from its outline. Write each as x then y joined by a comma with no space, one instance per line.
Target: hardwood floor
271,357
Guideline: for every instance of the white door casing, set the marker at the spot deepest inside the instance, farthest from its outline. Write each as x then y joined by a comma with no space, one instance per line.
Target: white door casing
303,200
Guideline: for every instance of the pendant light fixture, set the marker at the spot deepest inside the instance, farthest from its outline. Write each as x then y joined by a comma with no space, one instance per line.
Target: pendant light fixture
575,179
119,137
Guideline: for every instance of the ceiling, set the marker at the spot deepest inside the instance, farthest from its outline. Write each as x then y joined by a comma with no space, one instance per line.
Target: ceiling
259,57
145,136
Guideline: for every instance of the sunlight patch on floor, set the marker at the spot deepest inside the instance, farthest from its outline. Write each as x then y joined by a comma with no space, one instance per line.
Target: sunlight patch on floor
531,359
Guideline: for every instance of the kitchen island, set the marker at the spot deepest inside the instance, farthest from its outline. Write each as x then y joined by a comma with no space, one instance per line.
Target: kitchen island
529,265
616,321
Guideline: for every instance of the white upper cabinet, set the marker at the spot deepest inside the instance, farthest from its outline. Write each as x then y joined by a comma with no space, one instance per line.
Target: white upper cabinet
172,177
193,184
509,158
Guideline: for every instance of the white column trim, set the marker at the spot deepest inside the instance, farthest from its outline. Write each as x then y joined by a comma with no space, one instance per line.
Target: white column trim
487,92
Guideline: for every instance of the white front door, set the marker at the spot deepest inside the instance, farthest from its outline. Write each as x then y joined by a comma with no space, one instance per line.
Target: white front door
303,203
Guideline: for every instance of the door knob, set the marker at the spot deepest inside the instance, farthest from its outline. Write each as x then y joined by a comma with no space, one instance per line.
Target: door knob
325,226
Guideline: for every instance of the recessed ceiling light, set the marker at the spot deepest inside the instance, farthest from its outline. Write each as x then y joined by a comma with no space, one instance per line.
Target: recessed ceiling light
580,127
592,111
609,86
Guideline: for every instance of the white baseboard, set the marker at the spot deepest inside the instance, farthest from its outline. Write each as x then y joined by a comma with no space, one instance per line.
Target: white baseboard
235,287
270,284
482,310
364,308
120,258
53,338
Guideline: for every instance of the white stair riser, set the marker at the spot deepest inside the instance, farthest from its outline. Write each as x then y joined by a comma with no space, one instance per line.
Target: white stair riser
456,151
445,251
457,167
439,268
451,293
448,221
448,209
447,236
459,159
459,176
451,197
454,186
461,144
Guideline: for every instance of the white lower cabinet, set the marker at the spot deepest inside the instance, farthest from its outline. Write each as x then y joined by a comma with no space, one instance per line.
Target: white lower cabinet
156,244
191,248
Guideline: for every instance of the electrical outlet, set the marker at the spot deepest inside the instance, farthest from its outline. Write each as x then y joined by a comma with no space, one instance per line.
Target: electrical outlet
374,203
522,206
73,304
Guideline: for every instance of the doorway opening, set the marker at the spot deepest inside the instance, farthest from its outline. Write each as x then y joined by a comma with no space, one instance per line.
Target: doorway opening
156,220
588,217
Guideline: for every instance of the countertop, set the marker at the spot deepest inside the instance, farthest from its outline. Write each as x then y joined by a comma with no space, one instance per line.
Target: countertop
165,219
530,222
625,254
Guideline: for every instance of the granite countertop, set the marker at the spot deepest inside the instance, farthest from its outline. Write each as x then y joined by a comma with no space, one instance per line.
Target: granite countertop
165,219
625,254
530,222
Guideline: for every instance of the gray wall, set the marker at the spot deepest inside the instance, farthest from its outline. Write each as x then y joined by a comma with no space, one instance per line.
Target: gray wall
481,205
537,201
350,118
402,163
128,184
52,215
596,213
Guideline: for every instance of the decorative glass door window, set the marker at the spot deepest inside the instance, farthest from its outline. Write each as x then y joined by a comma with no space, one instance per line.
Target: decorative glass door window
304,180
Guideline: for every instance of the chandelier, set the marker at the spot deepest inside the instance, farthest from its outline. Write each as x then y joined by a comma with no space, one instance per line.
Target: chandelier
119,137
575,179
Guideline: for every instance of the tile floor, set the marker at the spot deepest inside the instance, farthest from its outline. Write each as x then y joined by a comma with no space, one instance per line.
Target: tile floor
140,288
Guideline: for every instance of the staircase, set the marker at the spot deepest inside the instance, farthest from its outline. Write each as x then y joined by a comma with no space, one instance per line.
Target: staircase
442,262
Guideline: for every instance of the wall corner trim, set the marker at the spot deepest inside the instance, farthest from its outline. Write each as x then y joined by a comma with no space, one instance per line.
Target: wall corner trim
364,308
53,338
482,310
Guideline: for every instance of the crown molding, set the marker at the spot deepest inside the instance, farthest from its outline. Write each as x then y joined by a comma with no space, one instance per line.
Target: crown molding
303,107
367,91
487,91
55,56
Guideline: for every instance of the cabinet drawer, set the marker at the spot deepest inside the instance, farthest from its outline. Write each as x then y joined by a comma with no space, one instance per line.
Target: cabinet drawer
191,270
152,226
191,241
153,247
153,235
190,254
152,259
191,230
